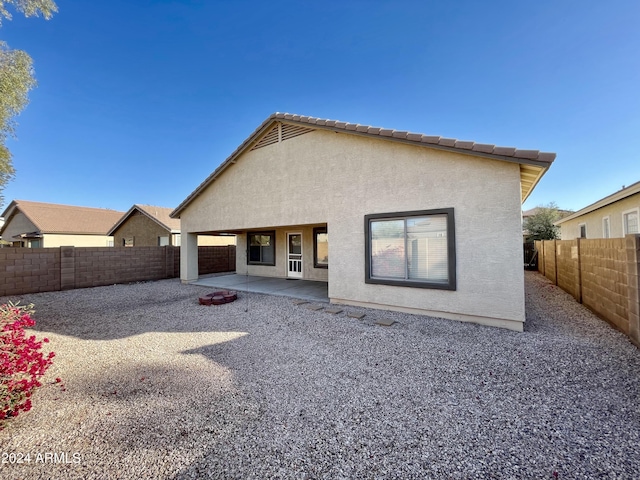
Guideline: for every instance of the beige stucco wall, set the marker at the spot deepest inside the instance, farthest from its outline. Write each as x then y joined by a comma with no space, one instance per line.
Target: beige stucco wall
17,225
142,229
337,179
210,240
570,229
280,270
54,240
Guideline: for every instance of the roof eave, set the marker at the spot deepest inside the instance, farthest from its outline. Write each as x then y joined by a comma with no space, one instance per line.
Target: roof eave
603,202
390,135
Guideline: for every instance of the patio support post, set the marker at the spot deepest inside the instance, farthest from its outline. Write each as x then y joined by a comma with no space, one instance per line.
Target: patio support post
189,258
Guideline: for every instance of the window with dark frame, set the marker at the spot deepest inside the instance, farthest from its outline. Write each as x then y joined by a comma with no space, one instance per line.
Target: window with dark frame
583,230
411,249
320,247
261,248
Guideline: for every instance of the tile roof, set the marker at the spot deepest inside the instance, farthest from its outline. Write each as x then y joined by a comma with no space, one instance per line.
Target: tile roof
64,219
533,162
157,214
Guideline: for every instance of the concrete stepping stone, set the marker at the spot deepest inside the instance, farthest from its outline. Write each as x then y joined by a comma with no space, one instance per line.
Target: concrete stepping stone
357,315
385,322
314,307
300,302
333,310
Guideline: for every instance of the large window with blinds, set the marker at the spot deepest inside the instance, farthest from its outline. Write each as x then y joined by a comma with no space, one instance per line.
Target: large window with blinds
411,249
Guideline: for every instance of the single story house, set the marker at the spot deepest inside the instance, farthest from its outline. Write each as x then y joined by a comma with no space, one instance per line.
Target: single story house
613,216
390,219
38,225
150,226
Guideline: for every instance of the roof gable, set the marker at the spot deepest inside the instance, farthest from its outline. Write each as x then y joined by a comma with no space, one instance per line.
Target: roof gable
63,219
160,215
533,163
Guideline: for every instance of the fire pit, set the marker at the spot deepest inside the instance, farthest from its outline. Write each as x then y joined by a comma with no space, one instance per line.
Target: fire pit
218,298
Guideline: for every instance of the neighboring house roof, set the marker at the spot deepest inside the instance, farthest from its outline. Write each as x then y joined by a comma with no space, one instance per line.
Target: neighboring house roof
614,197
160,215
63,219
533,163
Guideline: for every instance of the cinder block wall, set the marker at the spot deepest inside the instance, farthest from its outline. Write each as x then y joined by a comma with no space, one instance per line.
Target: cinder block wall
106,266
604,279
26,270
213,260
550,260
568,267
603,274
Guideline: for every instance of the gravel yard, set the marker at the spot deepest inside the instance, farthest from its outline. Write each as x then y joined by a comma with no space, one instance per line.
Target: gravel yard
156,386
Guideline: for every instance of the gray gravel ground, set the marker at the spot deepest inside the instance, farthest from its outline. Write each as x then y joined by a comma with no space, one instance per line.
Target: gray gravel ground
156,386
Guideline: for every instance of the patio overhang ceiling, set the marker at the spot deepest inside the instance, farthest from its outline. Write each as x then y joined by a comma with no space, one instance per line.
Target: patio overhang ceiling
533,163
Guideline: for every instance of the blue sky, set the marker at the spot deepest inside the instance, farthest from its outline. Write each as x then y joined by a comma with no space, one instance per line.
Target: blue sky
138,101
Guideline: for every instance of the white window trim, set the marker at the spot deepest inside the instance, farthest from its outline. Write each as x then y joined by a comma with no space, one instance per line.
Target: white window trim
580,225
608,219
624,224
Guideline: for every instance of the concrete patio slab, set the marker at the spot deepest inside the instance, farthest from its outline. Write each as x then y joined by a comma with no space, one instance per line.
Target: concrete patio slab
304,289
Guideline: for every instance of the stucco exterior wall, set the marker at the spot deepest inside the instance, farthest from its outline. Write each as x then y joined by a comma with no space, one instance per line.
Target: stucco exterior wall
570,229
210,240
17,225
280,270
142,229
337,179
54,240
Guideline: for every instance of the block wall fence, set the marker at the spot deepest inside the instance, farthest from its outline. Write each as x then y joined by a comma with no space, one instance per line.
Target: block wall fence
603,274
32,270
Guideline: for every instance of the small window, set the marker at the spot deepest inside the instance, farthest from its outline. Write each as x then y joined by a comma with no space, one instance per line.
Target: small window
320,247
583,230
606,228
411,249
127,242
630,222
261,248
163,241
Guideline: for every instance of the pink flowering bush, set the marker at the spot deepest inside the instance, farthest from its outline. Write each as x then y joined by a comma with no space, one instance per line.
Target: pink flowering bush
22,362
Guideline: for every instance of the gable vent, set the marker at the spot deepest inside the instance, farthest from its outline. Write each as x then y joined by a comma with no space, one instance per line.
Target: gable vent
290,131
280,133
269,139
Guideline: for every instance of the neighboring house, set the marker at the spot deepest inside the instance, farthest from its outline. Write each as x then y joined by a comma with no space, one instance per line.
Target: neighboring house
150,226
3,243
37,225
613,216
390,219
146,226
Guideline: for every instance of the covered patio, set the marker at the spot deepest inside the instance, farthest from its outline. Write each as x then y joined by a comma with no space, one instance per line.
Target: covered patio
312,290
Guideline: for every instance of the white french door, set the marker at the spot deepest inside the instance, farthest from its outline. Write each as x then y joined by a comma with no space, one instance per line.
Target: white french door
294,255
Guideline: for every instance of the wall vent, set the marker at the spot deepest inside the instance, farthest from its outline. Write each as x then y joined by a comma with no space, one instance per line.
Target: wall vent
290,131
269,138
280,133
